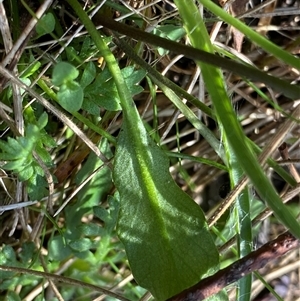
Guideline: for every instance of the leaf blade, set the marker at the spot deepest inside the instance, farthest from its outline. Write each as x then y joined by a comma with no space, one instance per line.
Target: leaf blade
163,230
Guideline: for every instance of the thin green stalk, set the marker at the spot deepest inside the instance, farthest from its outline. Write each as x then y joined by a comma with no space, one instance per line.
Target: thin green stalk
268,286
243,221
95,128
197,159
152,91
255,37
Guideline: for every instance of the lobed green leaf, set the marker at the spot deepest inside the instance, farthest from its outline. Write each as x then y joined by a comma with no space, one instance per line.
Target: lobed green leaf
81,245
103,91
17,165
12,146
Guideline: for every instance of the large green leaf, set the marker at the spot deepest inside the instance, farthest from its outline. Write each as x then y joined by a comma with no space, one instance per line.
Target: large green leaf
163,230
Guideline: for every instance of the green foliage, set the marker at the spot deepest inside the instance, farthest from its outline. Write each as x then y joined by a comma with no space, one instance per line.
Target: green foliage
157,222
88,48
81,240
19,157
78,238
103,92
9,257
94,91
88,75
70,95
33,68
63,73
12,296
28,252
97,188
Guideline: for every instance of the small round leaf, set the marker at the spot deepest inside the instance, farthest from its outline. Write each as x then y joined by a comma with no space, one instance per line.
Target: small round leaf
46,24
63,72
70,97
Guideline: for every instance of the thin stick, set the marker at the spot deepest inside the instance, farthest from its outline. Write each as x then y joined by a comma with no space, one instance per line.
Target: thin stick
63,279
252,262
284,152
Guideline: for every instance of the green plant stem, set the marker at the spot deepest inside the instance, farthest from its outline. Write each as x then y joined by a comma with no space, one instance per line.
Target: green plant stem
244,70
255,37
243,221
196,159
169,90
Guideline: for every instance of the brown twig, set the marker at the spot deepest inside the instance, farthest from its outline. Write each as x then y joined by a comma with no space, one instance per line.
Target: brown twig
284,153
252,262
63,279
